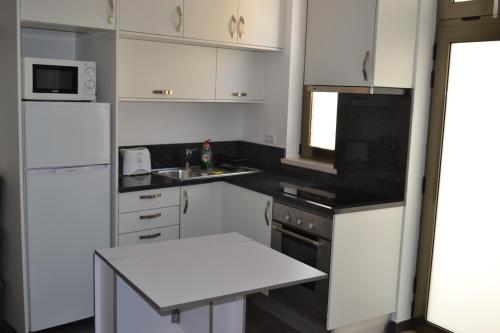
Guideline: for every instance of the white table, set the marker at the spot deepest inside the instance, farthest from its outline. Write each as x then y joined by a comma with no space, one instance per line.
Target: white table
192,285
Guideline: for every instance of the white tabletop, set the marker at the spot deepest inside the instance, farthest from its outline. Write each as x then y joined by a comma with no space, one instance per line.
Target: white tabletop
195,271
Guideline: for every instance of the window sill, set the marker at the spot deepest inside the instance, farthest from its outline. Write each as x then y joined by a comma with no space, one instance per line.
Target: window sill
310,164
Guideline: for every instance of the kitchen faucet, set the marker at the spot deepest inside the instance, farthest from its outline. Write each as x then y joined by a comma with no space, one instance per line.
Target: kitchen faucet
189,153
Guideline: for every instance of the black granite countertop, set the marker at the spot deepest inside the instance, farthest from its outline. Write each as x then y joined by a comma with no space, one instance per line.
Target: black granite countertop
271,183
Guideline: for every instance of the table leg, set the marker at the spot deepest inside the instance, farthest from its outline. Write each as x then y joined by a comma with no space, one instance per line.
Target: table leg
104,297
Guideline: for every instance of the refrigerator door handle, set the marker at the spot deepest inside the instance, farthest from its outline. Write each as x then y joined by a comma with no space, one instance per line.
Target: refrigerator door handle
65,170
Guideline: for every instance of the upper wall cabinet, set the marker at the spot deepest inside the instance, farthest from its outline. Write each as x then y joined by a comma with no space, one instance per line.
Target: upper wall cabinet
161,17
88,14
213,20
261,22
240,75
244,24
158,71
361,42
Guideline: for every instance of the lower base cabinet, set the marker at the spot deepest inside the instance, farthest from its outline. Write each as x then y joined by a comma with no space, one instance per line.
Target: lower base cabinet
149,236
202,210
249,213
365,266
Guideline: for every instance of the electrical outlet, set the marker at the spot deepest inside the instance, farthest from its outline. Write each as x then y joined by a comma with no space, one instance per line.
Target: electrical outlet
270,138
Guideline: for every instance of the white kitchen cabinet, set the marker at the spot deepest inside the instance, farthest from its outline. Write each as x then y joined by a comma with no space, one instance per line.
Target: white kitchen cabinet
361,42
261,22
148,219
240,75
161,17
97,14
202,210
254,23
149,236
157,71
149,199
365,266
249,213
213,20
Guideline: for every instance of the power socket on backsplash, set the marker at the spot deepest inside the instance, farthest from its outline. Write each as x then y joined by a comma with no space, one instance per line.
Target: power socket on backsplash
270,138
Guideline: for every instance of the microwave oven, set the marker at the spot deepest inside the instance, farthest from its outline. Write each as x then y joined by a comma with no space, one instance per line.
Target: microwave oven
54,80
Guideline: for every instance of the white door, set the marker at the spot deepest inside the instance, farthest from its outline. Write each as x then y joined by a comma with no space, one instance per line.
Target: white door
156,70
214,20
340,41
99,14
161,17
240,75
68,217
202,209
60,134
261,22
249,213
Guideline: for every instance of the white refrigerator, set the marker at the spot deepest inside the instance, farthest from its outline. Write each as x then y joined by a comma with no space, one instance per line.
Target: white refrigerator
67,180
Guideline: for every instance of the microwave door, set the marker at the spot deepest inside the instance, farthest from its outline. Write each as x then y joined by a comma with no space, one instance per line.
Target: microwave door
48,79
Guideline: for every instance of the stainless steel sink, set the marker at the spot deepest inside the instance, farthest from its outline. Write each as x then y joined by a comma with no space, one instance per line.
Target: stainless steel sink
197,173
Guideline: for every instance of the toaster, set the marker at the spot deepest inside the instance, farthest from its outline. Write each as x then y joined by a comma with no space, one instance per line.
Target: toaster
136,161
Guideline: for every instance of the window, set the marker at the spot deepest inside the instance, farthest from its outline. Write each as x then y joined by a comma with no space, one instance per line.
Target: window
319,124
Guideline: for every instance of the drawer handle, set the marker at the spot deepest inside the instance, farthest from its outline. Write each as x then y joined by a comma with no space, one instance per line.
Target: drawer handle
150,196
150,236
163,92
240,94
150,217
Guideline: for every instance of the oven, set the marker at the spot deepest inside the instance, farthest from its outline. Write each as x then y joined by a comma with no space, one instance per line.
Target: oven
305,237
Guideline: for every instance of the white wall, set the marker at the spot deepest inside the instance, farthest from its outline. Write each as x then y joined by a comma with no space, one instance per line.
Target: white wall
48,44
284,82
161,123
417,153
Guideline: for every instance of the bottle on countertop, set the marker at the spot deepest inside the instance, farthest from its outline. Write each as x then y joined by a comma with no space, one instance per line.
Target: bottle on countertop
206,156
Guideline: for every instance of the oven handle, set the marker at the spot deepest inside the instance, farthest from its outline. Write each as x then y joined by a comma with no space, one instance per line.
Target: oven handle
297,236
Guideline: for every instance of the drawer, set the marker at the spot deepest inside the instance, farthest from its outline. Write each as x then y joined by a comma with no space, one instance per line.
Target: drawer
148,219
151,199
149,236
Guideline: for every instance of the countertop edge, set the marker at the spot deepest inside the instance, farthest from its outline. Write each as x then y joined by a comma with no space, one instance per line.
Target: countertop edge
368,207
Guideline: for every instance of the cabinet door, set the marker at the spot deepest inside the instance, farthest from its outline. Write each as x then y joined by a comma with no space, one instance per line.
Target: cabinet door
161,17
157,70
99,14
365,256
202,209
249,213
214,20
340,41
240,75
261,22
395,43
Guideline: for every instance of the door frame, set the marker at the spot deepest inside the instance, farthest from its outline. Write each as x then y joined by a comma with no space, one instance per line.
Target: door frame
449,32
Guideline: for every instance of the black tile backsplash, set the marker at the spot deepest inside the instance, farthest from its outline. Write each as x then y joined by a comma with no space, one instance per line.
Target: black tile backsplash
269,158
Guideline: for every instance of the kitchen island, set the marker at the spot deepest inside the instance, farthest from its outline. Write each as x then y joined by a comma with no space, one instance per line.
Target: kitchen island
192,285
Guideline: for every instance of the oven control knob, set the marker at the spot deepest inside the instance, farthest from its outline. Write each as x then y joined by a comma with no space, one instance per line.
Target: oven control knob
299,222
288,218
310,226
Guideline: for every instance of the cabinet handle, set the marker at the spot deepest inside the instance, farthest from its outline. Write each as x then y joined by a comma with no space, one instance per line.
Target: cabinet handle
365,63
495,9
266,212
150,236
241,28
186,201
233,26
179,22
163,92
150,217
111,14
150,196
240,94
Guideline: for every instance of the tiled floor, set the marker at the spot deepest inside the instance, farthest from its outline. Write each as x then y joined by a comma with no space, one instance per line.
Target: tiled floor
257,321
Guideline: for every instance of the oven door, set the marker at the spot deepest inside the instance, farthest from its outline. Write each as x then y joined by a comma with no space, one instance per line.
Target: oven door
52,80
311,299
